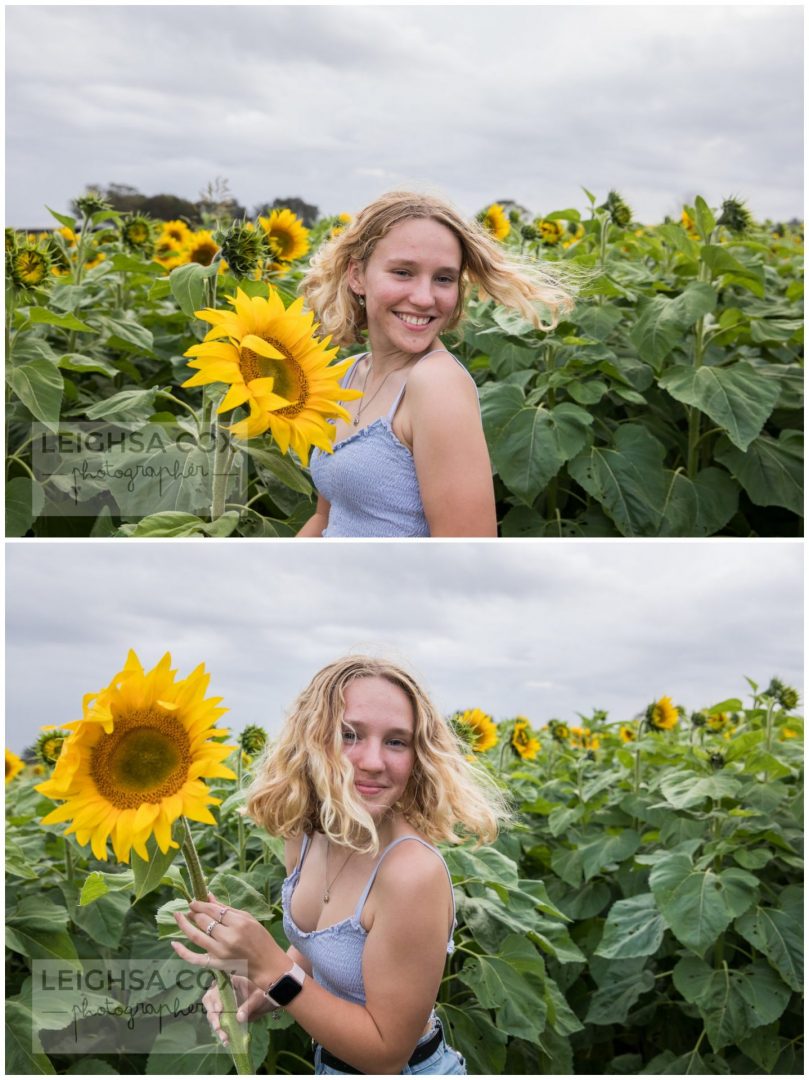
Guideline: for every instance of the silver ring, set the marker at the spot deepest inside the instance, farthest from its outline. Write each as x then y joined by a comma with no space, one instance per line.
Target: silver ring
210,927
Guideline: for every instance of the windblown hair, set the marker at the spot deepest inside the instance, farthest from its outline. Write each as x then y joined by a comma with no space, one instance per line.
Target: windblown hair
304,782
510,279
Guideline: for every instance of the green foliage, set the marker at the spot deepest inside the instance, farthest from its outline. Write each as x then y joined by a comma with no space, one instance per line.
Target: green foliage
644,914
666,403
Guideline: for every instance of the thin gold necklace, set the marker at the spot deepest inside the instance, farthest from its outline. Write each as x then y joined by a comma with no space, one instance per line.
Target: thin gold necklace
326,891
362,403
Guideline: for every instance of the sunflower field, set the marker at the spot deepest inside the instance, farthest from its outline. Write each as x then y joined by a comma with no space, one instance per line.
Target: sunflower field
642,914
667,403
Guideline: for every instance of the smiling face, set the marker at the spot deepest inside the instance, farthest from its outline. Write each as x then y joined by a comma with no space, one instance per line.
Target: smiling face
378,740
410,284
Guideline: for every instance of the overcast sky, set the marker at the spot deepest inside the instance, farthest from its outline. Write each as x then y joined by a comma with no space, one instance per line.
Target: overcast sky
544,629
337,104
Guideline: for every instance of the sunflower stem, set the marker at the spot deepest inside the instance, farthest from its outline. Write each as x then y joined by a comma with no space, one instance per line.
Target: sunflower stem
222,462
240,820
238,1035
70,873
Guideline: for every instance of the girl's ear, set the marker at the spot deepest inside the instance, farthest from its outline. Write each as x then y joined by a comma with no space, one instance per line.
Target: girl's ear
356,278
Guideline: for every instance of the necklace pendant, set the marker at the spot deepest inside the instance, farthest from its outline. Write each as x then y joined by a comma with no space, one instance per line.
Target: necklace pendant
326,897
356,421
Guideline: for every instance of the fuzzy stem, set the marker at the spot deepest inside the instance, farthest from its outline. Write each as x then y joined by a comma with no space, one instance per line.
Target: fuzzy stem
240,820
69,871
238,1036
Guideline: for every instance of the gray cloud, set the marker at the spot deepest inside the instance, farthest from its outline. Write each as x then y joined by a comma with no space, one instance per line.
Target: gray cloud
337,104
543,629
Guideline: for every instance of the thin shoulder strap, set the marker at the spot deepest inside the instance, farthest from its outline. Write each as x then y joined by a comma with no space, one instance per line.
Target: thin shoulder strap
400,395
348,378
375,871
304,848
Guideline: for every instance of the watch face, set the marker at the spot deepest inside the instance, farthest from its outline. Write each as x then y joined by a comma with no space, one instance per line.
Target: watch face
285,990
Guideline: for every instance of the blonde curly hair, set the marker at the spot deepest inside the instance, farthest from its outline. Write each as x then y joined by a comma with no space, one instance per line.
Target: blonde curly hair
510,279
304,782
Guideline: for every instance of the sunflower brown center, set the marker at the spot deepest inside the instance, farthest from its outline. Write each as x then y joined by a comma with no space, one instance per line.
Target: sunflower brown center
144,759
289,377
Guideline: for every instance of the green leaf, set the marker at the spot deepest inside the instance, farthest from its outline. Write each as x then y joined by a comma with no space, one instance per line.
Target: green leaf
683,790
698,905
763,1046
663,321
188,285
52,318
771,472
77,362
731,1001
63,219
281,466
634,927
24,1053
39,386
127,406
721,263
177,1052
486,865
17,863
149,873
102,921
517,995
777,933
608,849
737,398
533,445
627,479
42,944
698,507
706,222
233,891
170,523
127,334
24,503
617,993
471,1030
38,913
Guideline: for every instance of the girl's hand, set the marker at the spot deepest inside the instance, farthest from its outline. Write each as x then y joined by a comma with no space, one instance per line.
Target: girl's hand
237,942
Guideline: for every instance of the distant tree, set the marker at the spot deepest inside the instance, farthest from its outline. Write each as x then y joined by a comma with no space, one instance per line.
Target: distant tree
215,202
305,211
171,207
121,197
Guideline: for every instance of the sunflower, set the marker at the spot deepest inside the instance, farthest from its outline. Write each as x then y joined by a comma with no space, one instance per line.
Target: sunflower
662,715
253,740
494,219
583,739
627,733
559,732
168,252
14,765
287,236
30,267
49,744
340,223
177,231
689,225
137,232
476,728
550,231
201,248
273,363
522,740
132,765
717,721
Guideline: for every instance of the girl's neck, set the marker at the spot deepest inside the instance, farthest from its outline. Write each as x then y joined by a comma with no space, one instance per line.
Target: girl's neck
383,363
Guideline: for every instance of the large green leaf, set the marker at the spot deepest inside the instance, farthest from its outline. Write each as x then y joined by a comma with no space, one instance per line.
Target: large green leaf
42,944
698,507
486,865
127,406
64,322
38,913
608,849
103,920
39,386
177,1051
516,992
128,334
627,479
470,1028
24,1053
281,466
620,984
683,790
771,471
777,933
529,444
663,321
737,398
149,873
731,1001
734,272
188,285
634,927
24,503
698,905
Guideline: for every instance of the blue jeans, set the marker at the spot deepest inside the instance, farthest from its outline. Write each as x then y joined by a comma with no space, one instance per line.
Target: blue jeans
444,1062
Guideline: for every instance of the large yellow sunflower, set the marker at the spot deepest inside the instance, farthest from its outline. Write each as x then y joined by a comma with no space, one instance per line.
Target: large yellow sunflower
524,743
14,765
201,248
662,715
273,363
132,765
477,729
177,231
494,219
287,236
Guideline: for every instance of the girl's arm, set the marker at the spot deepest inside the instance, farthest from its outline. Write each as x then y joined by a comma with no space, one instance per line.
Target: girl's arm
403,962
318,521
450,452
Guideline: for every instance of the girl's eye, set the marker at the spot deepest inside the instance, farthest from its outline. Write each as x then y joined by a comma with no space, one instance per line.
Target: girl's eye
349,736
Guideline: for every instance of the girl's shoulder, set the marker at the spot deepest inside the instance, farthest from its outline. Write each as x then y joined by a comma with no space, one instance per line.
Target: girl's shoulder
439,367
413,858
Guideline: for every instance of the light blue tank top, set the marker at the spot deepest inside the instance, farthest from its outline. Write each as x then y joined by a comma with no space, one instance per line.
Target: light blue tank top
370,478
335,952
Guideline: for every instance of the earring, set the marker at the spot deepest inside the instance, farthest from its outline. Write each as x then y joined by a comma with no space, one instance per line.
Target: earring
361,300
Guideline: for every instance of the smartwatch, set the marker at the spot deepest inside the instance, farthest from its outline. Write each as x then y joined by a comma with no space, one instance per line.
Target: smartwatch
287,988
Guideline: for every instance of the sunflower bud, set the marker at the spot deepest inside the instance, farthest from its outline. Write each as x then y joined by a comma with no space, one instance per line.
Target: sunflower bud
91,202
717,761
11,241
138,234
529,232
559,732
735,216
620,213
253,740
29,267
698,719
244,248
48,746
786,696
